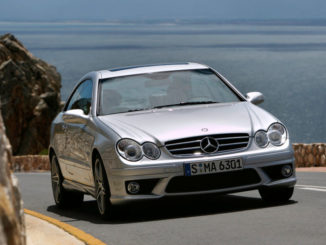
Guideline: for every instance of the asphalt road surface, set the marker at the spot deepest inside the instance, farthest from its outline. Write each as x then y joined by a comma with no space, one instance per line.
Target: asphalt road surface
240,218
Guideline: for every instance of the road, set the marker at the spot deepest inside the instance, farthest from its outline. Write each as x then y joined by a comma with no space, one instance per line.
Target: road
233,219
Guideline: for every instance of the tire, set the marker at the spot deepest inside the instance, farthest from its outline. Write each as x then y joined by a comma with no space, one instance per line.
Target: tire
62,197
273,195
102,190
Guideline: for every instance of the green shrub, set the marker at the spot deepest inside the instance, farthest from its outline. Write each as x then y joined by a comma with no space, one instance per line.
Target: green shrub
44,152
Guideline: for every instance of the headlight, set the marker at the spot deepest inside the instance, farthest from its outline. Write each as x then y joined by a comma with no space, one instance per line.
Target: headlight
151,151
261,139
277,134
132,151
129,150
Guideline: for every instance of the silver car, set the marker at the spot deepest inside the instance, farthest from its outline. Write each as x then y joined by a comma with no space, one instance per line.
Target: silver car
147,132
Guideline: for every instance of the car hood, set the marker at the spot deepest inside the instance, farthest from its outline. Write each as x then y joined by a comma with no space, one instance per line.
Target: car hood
161,125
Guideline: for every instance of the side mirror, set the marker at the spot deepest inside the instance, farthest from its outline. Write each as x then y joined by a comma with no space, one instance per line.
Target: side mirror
75,116
255,97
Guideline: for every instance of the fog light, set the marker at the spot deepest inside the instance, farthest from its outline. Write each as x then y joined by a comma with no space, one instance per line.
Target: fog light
133,187
286,171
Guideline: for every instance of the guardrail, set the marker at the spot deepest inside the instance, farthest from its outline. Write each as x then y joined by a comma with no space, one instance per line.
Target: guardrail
310,155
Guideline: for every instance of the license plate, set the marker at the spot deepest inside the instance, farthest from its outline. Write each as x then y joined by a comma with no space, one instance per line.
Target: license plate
217,166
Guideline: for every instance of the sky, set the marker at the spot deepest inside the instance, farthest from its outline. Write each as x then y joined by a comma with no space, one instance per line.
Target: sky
138,10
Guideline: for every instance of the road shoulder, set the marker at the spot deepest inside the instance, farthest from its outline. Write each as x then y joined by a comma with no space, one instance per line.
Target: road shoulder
41,229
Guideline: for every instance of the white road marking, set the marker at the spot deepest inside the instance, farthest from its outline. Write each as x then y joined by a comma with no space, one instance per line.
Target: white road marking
312,187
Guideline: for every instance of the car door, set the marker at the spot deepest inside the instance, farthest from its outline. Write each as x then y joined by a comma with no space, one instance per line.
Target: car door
79,139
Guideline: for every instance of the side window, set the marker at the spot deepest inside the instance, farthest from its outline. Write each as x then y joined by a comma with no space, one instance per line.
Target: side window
82,97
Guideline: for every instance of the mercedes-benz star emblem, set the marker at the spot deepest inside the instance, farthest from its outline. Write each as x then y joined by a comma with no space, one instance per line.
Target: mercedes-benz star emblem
209,145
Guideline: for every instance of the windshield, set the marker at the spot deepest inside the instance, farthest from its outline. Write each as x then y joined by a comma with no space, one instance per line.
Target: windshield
162,89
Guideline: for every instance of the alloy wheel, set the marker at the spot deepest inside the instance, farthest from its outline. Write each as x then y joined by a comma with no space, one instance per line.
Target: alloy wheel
100,189
56,180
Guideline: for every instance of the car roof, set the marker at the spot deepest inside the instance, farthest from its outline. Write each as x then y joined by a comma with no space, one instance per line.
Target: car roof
134,70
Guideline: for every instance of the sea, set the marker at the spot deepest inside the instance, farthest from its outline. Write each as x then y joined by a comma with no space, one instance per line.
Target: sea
285,60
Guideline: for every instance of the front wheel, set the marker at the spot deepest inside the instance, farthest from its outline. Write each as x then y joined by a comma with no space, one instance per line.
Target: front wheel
102,190
62,197
280,194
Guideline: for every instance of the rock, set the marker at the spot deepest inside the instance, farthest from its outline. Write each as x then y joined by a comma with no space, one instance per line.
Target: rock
29,96
298,161
12,228
314,149
306,160
303,151
318,160
30,163
311,159
323,160
308,148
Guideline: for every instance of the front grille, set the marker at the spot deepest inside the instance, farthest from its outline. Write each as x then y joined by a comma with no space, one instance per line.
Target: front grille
213,181
191,146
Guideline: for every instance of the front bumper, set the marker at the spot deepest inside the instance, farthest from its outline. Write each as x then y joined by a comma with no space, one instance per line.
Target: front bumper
165,172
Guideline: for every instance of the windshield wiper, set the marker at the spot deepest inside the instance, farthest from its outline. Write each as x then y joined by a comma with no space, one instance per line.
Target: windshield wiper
132,110
170,105
140,109
187,103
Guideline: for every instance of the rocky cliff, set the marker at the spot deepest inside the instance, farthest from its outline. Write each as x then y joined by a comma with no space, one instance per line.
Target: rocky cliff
12,229
29,96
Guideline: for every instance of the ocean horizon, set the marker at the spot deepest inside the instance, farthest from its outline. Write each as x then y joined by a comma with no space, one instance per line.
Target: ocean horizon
283,59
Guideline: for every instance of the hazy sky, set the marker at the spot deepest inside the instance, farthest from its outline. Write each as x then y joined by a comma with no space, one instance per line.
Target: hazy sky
163,9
